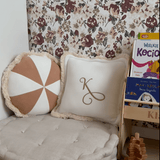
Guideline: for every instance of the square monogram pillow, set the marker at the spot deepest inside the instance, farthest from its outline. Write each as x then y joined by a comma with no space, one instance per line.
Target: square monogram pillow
92,89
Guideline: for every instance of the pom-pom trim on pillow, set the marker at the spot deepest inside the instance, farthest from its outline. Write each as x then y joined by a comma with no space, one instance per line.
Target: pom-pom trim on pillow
6,74
55,113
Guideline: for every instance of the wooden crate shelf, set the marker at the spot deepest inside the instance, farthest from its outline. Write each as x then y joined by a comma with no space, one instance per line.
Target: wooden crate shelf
141,114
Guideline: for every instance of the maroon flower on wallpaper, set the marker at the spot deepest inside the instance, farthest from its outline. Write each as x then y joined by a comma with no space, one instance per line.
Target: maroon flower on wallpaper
76,33
70,6
59,11
38,39
114,10
110,54
87,41
105,7
119,38
127,5
66,37
151,22
91,22
132,33
115,46
123,17
68,17
59,52
41,22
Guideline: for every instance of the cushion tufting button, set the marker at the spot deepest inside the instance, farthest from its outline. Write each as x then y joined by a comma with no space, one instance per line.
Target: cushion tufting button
75,141
56,128
22,131
85,127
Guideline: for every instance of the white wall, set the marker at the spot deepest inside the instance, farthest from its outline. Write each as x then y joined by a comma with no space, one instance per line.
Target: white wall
13,37
151,133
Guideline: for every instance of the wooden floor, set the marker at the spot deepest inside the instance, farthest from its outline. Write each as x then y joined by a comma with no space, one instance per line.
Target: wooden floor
152,147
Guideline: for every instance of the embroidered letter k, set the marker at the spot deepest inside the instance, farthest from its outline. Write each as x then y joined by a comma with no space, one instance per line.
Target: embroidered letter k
83,80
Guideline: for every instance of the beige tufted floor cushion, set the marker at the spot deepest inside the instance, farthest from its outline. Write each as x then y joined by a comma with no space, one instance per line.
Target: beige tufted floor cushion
47,138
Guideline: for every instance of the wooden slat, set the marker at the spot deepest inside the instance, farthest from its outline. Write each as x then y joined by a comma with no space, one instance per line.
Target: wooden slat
143,102
141,114
124,129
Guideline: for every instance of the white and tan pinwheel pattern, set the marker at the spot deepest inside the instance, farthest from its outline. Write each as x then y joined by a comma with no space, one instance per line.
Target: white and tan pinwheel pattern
34,85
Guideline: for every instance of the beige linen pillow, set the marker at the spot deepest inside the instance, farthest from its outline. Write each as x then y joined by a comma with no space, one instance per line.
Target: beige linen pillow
91,88
31,84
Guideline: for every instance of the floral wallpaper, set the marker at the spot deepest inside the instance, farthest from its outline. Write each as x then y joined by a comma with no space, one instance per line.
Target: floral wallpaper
91,27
